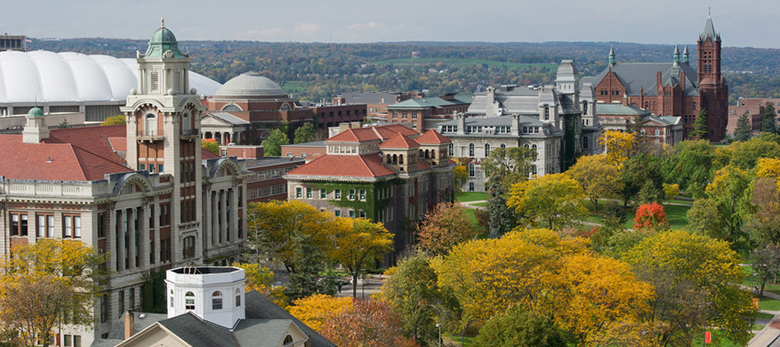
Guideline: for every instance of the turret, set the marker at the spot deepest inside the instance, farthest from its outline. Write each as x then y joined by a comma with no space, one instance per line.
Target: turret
676,57
36,129
685,55
611,55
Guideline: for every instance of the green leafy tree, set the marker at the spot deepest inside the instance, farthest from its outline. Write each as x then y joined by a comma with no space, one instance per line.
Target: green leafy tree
745,155
412,288
359,243
690,166
509,165
641,175
696,280
520,328
726,207
744,129
768,119
48,283
765,225
308,261
700,131
115,120
304,133
553,200
272,146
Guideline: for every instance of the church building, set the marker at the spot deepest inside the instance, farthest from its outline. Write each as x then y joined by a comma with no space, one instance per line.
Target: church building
674,89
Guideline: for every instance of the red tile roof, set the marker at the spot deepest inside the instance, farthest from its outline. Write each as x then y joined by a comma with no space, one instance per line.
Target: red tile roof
382,132
369,165
204,154
387,131
118,144
399,141
432,137
421,165
52,161
92,139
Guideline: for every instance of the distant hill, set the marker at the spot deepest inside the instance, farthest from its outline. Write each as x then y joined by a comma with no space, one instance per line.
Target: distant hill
320,70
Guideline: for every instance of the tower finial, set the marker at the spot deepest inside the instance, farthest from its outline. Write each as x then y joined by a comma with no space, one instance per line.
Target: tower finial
162,22
709,11
611,55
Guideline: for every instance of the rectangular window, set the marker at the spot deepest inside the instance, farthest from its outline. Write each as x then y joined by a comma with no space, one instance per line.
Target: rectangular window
323,194
351,213
71,226
351,194
76,340
362,194
142,167
308,193
238,300
337,213
362,214
18,224
338,193
151,168
160,168
298,192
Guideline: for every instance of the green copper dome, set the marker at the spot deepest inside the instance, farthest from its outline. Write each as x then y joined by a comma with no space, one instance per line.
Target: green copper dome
162,41
35,112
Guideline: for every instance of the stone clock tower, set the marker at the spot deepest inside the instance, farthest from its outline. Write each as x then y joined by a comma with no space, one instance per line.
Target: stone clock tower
163,121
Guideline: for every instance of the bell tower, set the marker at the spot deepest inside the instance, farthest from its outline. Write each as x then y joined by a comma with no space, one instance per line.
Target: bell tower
163,121
713,90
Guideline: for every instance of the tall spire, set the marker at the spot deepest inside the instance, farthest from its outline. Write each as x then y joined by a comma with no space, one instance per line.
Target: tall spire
685,55
611,55
676,55
709,30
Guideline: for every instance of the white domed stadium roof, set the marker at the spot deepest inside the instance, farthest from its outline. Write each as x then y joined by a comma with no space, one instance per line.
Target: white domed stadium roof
46,77
251,84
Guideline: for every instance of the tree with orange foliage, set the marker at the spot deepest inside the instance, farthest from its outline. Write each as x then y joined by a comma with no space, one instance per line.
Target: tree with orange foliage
444,227
651,217
367,323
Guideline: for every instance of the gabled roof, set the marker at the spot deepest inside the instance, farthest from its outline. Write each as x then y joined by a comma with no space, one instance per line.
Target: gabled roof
641,77
197,332
365,166
399,141
260,307
615,109
225,118
54,161
375,133
432,137
422,103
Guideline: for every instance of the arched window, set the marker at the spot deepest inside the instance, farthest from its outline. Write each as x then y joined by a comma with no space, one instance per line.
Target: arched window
238,297
216,300
433,153
388,159
287,339
422,154
395,159
451,149
526,146
533,147
503,146
170,300
185,122
585,142
189,301
546,112
471,149
401,159
487,149
585,107
427,154
151,125
471,186
472,170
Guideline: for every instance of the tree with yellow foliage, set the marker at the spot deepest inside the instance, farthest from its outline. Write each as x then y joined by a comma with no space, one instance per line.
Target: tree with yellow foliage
115,120
359,243
696,280
47,283
618,145
553,200
539,271
314,310
599,178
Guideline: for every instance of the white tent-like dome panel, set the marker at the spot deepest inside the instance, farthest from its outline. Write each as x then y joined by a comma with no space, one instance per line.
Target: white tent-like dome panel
28,78
55,86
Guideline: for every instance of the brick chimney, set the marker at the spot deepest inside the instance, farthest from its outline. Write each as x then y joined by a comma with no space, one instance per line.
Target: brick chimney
129,324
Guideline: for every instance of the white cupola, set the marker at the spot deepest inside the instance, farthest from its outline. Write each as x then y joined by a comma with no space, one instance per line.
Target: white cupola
213,293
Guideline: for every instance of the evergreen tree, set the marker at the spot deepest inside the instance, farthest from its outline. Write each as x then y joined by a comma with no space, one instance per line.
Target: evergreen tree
768,119
744,130
700,126
307,260
501,218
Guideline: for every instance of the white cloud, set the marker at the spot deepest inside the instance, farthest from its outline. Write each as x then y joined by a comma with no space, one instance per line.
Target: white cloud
306,28
369,25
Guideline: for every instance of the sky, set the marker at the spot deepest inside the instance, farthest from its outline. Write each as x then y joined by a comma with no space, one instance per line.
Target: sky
746,23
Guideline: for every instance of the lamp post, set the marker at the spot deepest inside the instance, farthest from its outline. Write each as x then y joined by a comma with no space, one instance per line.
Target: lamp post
438,325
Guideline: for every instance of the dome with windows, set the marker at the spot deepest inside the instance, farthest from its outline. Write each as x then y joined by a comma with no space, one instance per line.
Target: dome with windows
251,85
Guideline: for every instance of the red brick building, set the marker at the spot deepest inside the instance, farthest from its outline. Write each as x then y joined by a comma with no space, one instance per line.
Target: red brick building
675,89
754,108
427,113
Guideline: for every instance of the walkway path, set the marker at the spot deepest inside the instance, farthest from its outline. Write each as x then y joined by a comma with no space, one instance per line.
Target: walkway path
470,204
765,337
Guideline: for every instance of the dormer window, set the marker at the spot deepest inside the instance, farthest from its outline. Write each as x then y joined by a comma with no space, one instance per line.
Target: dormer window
546,112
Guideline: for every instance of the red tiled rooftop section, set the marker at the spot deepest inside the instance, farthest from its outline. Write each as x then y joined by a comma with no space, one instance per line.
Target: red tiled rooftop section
421,165
387,131
432,137
204,154
52,161
369,165
92,139
399,141
382,132
118,144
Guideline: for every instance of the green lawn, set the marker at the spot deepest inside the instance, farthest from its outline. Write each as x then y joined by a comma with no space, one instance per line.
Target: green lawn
768,304
717,341
757,327
762,315
463,341
295,87
480,204
677,216
470,196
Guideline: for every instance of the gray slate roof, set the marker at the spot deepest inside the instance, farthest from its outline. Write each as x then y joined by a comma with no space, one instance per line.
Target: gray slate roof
615,109
642,77
261,332
260,307
199,333
227,117
709,31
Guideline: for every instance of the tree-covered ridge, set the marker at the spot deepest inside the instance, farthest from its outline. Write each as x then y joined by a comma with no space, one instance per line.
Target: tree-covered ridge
315,71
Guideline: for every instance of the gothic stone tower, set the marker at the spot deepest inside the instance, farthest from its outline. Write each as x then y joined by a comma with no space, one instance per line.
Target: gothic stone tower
713,90
163,120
